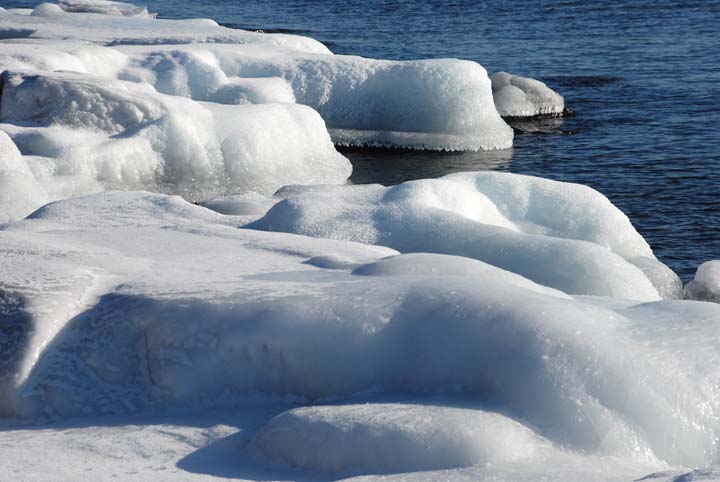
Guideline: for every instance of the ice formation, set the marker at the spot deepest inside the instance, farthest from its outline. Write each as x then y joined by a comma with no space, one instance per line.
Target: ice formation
706,284
477,326
200,313
387,438
562,235
519,97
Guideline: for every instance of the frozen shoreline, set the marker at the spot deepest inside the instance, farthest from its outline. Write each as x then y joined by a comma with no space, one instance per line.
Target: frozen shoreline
548,338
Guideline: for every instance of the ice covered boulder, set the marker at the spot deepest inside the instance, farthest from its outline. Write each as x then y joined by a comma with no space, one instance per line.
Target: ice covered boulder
126,135
519,97
104,7
443,104
386,438
566,236
253,315
706,284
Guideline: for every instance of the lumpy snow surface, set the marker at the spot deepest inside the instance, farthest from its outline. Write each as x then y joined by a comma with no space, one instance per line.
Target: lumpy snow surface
561,235
480,326
201,313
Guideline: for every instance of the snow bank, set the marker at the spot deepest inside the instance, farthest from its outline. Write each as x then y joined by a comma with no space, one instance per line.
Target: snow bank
561,235
254,315
706,284
442,104
126,135
429,104
517,96
104,7
385,438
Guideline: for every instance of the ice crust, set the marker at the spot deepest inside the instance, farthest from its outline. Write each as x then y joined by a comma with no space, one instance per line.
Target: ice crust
519,97
389,438
111,134
256,313
481,326
706,284
565,236
99,95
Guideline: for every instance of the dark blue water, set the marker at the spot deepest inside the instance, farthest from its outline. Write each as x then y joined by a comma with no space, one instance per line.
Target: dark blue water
643,76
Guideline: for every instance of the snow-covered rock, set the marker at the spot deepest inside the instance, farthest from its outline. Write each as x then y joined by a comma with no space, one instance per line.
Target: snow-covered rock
517,96
387,438
444,104
96,133
200,313
706,284
562,235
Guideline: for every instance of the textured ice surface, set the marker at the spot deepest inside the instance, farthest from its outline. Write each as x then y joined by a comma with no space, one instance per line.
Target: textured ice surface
562,235
428,104
200,313
517,96
99,133
706,284
382,438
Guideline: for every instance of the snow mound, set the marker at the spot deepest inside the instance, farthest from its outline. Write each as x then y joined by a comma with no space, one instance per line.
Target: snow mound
561,235
706,284
517,96
424,264
253,316
96,133
443,104
388,438
104,7
429,104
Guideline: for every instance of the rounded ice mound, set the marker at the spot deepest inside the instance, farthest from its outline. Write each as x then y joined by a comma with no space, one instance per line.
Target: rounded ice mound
706,284
517,96
388,438
126,135
565,236
47,10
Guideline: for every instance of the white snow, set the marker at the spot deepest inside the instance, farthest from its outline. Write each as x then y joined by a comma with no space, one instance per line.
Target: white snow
517,96
382,438
202,314
480,326
97,133
104,7
706,284
565,236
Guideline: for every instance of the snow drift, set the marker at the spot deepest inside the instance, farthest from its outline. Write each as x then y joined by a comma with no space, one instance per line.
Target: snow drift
258,314
561,235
